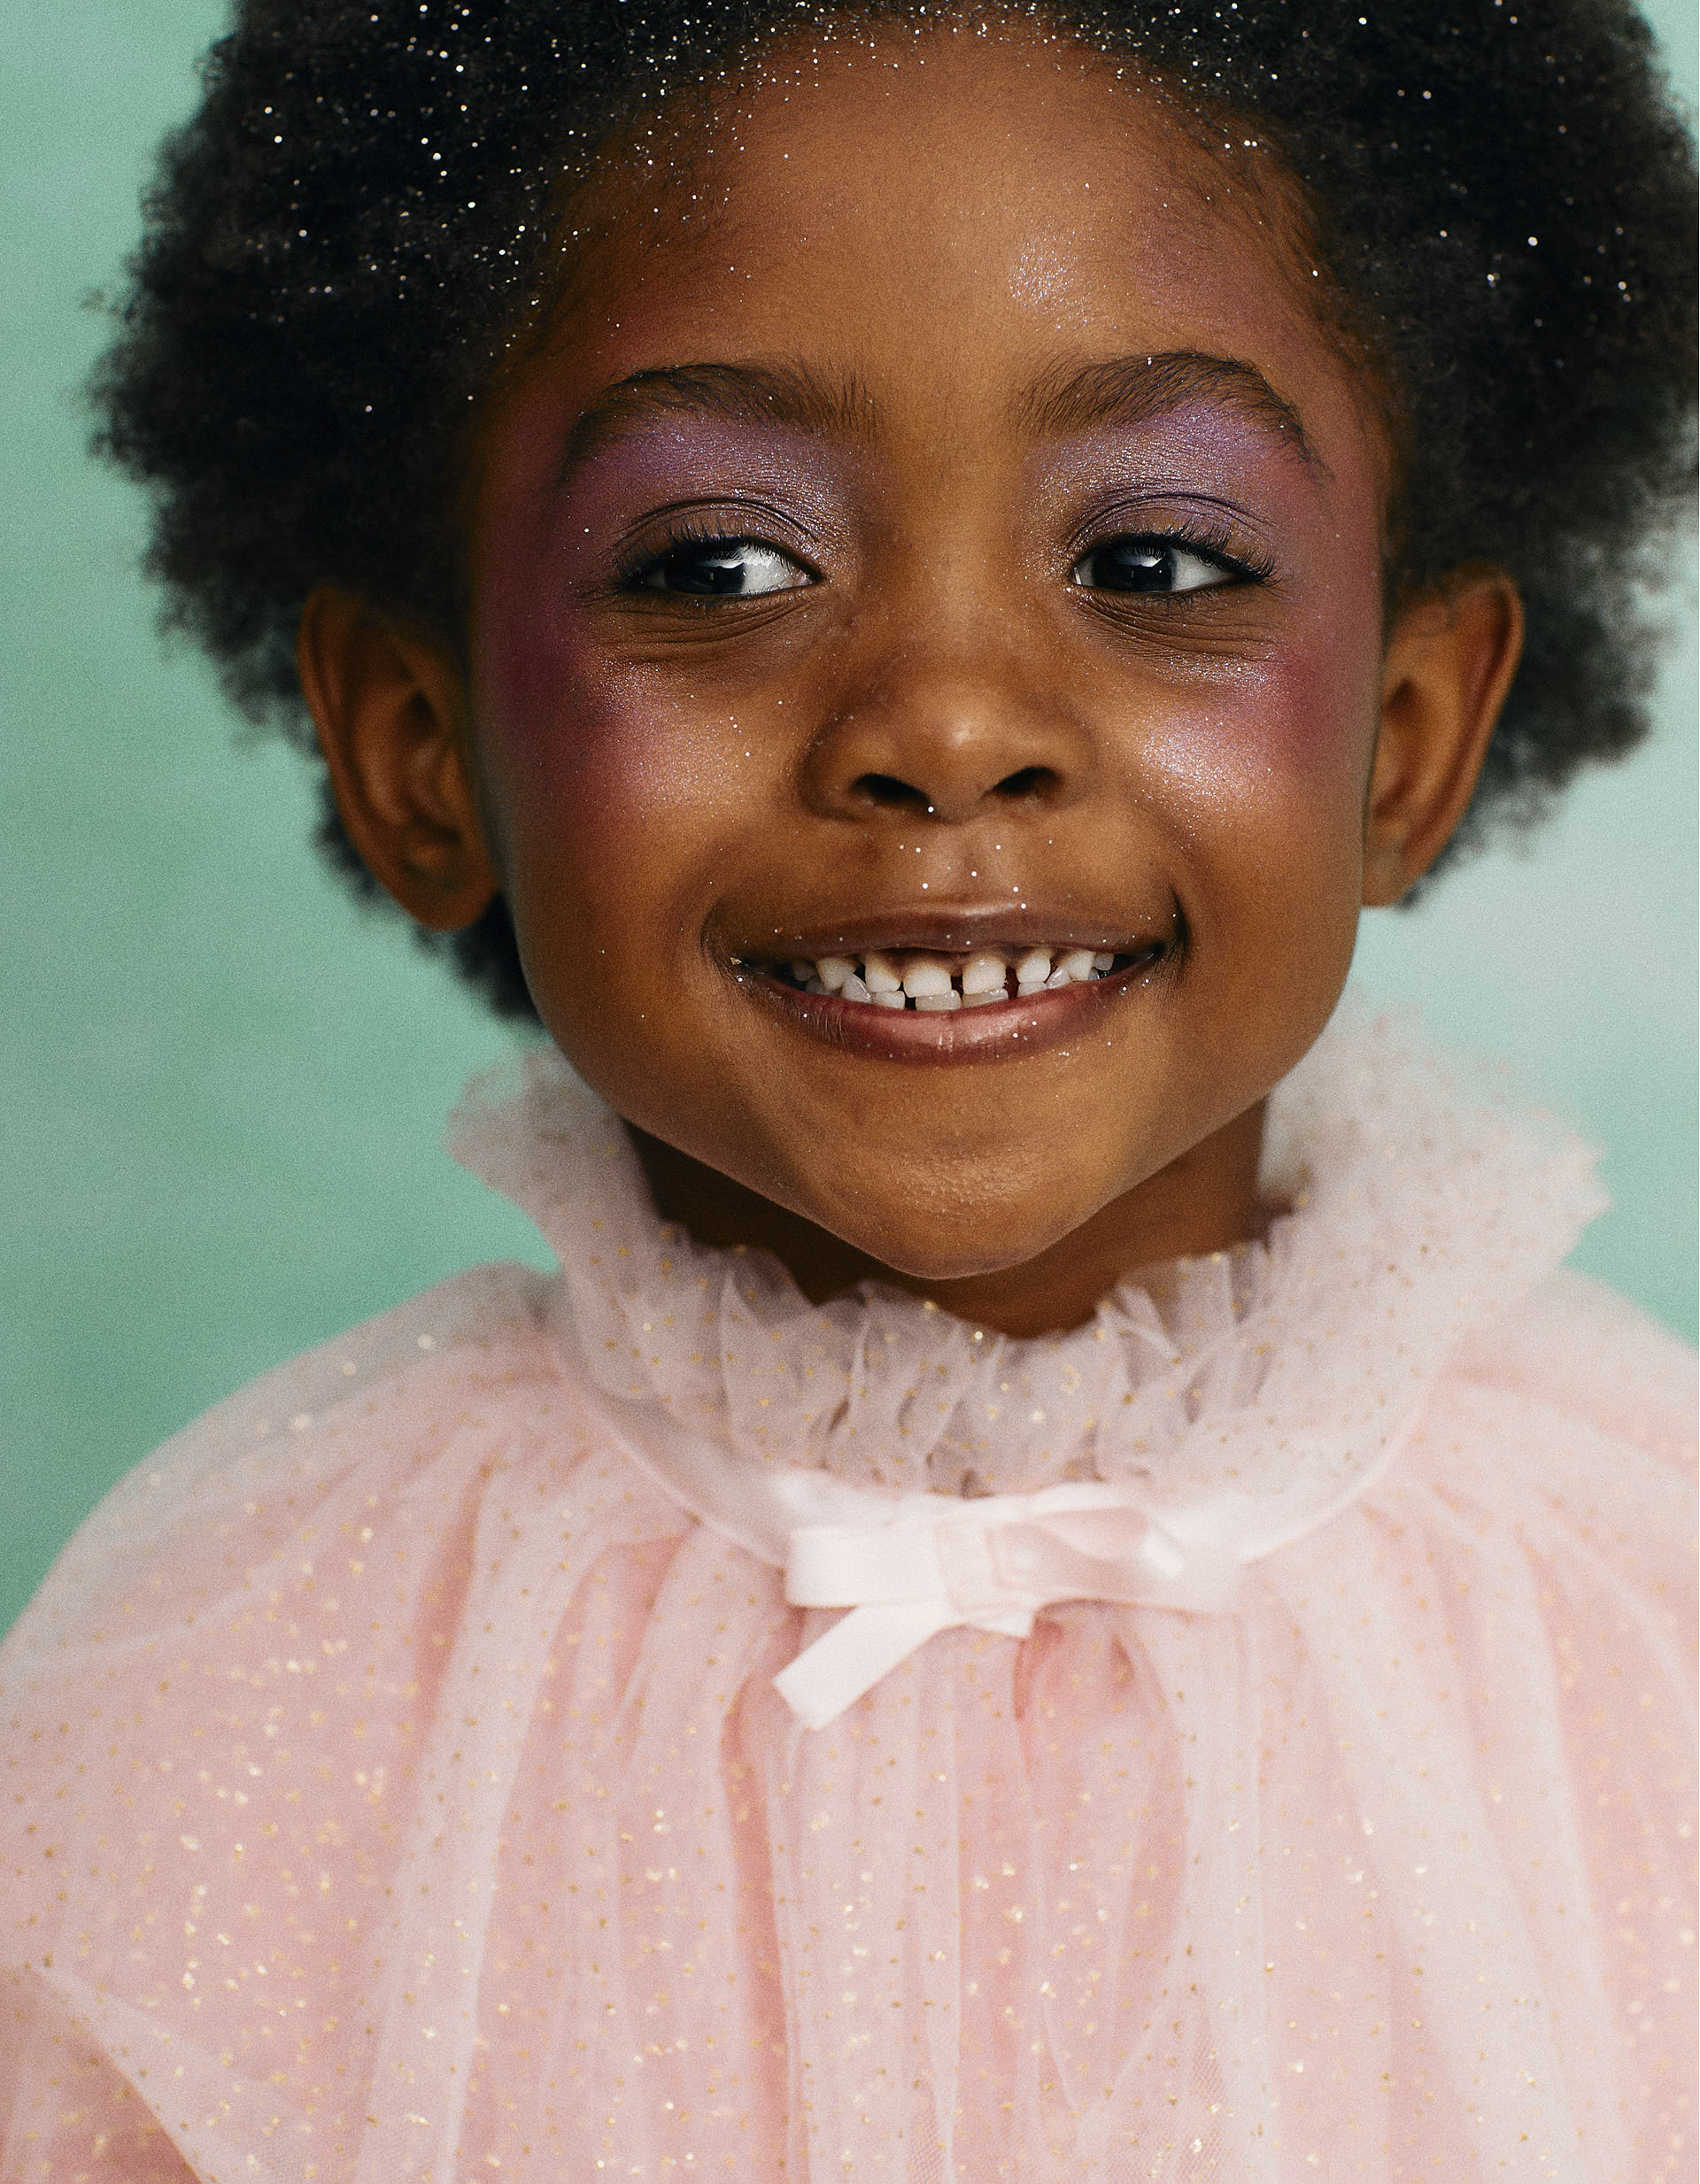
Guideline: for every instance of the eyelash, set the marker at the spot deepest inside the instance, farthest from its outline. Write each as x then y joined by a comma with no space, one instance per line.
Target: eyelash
688,531
1210,542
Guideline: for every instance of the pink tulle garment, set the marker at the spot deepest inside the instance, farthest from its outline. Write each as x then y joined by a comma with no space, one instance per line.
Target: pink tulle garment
397,1786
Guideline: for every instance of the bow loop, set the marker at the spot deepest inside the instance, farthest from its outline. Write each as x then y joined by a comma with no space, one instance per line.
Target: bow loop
850,1565
1115,1555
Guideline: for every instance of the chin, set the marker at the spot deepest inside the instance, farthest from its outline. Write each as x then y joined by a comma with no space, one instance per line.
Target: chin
968,1241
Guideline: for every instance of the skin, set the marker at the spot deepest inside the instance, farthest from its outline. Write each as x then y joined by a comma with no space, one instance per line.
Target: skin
921,268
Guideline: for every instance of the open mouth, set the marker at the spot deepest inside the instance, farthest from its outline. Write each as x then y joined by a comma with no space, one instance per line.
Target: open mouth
929,982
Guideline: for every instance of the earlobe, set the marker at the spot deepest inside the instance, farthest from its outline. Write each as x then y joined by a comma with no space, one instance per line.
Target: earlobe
390,707
1451,657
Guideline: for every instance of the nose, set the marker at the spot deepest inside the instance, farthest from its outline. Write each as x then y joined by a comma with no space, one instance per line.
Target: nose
946,730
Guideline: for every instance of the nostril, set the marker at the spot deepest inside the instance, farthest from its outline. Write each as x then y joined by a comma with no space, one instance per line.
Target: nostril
890,793
1035,781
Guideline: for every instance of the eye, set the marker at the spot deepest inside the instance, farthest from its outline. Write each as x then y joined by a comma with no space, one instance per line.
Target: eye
1149,565
722,568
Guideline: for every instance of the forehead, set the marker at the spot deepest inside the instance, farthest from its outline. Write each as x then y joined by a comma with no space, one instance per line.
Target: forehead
951,224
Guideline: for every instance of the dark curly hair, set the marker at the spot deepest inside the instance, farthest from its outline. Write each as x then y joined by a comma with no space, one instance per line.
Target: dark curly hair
344,238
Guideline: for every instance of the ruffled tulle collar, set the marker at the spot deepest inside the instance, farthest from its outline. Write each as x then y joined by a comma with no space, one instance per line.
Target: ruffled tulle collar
1421,1206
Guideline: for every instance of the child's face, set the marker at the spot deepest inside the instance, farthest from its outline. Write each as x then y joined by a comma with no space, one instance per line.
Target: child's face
849,577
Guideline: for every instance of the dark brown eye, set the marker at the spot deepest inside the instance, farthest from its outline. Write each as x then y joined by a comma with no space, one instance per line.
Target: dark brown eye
723,568
1147,565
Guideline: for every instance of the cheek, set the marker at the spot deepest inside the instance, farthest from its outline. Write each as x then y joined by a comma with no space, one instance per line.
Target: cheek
584,761
563,750
1263,775
1314,701
577,743
589,806
1298,727
1313,726
1324,675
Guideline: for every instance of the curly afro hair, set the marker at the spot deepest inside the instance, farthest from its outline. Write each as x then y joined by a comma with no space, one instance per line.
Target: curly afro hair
342,242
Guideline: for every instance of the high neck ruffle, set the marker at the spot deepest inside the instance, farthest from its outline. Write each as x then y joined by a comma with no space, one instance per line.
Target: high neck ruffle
445,1736
1417,1204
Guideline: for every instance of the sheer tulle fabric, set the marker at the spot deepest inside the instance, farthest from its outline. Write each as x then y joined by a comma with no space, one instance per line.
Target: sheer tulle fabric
396,1789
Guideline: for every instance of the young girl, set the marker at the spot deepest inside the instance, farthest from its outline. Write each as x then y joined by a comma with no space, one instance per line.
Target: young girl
1062,1589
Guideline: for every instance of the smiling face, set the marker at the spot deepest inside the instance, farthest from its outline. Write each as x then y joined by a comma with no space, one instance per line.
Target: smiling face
946,557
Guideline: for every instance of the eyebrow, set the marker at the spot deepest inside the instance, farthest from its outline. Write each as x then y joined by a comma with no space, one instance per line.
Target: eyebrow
1124,391
1128,391
744,394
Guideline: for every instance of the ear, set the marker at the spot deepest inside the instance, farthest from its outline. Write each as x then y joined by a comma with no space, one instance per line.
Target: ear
389,706
1451,657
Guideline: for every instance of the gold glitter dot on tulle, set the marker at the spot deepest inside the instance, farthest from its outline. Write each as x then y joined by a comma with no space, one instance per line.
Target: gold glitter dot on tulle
396,1788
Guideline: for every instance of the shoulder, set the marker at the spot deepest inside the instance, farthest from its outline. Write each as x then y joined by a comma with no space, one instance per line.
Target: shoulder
236,1670
1569,1423
1577,1349
382,1418
274,1598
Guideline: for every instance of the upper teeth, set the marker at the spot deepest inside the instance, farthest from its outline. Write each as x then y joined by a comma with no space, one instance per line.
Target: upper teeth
893,979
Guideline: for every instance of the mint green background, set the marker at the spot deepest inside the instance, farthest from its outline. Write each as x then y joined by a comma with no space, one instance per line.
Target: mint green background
223,1088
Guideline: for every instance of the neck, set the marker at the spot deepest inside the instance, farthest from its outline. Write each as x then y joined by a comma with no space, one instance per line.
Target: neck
1206,1200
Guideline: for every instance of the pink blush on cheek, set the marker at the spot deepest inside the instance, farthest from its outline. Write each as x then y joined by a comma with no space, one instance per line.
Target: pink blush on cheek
546,710
575,747
518,670
521,678
1326,699
1315,708
1310,706
564,743
1291,731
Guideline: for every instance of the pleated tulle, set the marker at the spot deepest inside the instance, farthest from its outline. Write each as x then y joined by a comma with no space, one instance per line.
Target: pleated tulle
395,1787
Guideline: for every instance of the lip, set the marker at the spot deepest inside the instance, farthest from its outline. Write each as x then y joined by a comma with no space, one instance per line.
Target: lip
947,931
998,1033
